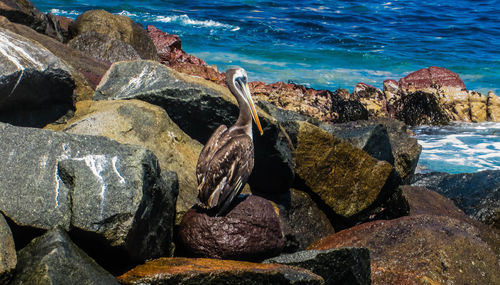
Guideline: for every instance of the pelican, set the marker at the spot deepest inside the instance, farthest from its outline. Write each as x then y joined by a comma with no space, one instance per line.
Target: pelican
226,161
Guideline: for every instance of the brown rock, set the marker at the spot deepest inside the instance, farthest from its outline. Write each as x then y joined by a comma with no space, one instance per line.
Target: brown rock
422,249
213,271
140,123
346,178
372,98
116,27
477,107
431,77
8,257
493,107
250,231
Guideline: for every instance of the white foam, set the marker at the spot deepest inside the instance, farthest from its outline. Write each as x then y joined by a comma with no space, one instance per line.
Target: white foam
185,20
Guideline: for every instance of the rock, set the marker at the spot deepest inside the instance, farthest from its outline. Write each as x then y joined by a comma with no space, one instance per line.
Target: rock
336,266
36,87
372,99
139,123
103,47
478,107
430,78
213,271
109,193
391,89
477,194
249,231
54,259
86,70
493,107
383,139
198,107
25,13
8,257
422,249
420,108
301,219
116,27
346,179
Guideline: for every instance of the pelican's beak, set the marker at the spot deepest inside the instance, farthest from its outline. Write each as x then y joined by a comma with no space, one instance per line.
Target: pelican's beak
248,95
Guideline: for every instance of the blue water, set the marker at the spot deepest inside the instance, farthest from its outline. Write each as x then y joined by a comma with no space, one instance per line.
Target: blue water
332,44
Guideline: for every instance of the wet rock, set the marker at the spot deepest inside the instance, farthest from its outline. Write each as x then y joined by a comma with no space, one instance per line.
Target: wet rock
383,139
249,231
493,107
372,99
86,71
302,221
116,27
36,87
420,108
109,193
430,78
346,265
213,271
344,177
103,47
8,257
139,123
25,13
421,249
198,107
477,194
54,259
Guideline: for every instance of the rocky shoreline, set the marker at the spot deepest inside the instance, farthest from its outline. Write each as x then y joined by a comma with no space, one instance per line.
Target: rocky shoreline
101,124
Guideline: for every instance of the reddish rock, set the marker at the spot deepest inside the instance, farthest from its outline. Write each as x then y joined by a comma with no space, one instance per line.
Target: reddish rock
250,231
431,77
421,249
212,271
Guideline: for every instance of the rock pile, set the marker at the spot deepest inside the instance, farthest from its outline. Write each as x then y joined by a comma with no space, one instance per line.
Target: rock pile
107,187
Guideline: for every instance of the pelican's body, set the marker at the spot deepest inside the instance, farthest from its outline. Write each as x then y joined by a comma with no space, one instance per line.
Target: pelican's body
226,161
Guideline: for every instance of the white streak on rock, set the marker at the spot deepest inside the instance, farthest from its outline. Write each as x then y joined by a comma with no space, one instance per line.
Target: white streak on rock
135,82
114,160
97,164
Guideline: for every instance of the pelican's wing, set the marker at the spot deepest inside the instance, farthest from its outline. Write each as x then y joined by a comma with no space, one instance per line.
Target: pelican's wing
208,152
227,173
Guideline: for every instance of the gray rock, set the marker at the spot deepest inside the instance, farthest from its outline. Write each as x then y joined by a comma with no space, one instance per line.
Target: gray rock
54,259
198,107
348,265
36,87
112,193
477,194
103,48
8,257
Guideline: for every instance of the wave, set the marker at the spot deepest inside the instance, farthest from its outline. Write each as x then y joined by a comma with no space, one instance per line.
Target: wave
185,20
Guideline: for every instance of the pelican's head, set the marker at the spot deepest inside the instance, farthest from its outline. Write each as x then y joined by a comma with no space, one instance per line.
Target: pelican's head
237,80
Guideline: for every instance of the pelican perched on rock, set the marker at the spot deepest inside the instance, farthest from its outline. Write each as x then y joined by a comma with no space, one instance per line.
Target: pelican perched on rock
226,161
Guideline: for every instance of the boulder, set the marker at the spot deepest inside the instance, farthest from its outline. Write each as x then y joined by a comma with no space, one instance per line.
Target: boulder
139,123
198,107
422,249
478,107
8,257
348,265
345,178
109,193
372,99
102,47
54,259
420,108
116,27
302,221
493,107
477,194
36,87
25,13
383,139
249,231
213,272
430,78
86,71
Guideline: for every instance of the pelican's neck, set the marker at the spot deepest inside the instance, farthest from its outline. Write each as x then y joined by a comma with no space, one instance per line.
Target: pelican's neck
245,117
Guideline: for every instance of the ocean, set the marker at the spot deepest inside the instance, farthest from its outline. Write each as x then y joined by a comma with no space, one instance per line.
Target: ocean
336,44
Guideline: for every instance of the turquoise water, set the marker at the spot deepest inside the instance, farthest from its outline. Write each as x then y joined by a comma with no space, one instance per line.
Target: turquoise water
326,44
332,44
